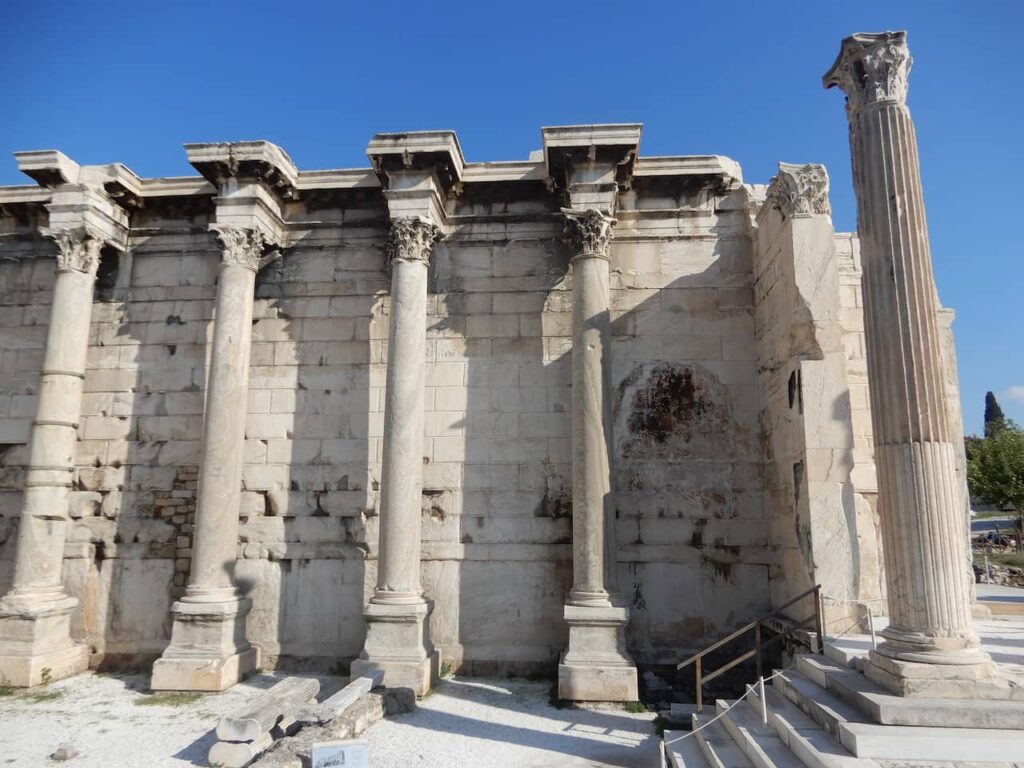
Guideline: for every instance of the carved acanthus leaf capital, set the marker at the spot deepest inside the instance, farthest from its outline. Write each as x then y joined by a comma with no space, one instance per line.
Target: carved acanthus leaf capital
77,249
243,246
589,232
799,189
871,69
411,239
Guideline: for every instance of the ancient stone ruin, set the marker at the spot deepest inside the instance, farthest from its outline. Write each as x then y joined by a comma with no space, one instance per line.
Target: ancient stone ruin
582,411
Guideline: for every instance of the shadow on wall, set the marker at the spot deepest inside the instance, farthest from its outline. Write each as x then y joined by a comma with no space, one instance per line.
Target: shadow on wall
309,509
139,450
688,501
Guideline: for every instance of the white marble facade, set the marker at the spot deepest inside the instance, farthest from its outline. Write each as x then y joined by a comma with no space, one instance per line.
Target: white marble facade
589,407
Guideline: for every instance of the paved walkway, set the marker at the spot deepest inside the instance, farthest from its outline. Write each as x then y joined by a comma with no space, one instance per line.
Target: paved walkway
499,723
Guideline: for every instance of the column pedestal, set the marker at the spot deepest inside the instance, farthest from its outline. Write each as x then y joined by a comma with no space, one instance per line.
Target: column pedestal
596,666
398,643
208,650
36,645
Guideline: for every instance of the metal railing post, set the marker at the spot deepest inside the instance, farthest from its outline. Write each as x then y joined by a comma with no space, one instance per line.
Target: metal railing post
700,685
817,619
764,702
757,641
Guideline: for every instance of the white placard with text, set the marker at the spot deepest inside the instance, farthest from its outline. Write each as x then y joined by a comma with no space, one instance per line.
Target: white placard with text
341,754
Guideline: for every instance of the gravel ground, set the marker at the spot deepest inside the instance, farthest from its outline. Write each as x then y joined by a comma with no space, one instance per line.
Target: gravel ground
499,723
115,722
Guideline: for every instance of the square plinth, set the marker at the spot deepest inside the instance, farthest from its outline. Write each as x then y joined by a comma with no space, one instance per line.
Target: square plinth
208,650
420,676
596,666
45,667
597,682
203,673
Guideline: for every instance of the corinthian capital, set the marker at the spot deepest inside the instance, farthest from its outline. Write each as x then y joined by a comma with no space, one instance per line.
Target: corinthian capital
241,245
799,189
589,232
411,239
871,68
77,249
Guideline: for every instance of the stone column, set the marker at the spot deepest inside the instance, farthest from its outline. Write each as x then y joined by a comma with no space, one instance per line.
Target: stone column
397,635
35,616
930,642
208,650
596,666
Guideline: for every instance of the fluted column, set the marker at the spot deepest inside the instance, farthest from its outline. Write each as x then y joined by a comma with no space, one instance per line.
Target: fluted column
922,525
398,637
35,615
596,666
208,649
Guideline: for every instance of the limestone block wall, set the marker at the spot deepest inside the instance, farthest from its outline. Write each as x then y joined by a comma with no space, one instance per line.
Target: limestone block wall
815,415
694,556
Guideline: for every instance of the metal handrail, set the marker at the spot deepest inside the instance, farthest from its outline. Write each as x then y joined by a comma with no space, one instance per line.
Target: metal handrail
754,626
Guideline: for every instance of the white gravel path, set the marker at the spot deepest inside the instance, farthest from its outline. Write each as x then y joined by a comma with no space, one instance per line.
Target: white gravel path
499,723
475,722
106,719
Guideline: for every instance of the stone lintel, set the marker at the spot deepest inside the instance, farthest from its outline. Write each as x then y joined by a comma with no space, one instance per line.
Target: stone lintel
222,162
48,167
591,154
435,151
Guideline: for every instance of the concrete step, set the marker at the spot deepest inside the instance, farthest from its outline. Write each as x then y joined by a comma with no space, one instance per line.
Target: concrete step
880,706
759,742
827,710
718,747
683,750
811,744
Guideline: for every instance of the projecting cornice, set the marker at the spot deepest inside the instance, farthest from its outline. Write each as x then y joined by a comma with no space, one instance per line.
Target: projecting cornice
435,151
221,162
591,154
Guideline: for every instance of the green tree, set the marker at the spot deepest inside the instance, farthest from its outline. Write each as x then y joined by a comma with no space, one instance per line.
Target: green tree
994,418
995,471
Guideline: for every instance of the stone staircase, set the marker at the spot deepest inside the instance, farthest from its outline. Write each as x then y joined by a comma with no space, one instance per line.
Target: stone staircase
824,714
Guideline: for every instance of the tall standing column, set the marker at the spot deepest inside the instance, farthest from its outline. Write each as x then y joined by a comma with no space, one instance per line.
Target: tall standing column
397,637
596,666
35,616
208,650
930,634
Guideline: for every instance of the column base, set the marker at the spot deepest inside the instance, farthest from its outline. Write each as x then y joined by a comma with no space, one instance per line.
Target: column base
35,641
967,676
398,644
596,667
208,650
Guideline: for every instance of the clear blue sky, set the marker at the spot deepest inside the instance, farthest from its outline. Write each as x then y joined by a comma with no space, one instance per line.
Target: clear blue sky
112,81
